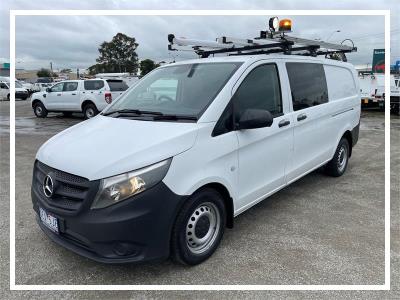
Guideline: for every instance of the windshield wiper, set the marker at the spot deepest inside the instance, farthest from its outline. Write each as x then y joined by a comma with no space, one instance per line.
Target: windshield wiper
136,112
175,117
155,114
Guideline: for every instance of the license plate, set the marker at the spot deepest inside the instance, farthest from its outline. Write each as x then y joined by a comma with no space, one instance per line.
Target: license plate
48,220
365,101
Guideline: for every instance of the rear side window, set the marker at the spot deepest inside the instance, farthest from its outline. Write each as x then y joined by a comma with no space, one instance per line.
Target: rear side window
70,86
117,85
340,83
259,90
307,84
93,85
3,86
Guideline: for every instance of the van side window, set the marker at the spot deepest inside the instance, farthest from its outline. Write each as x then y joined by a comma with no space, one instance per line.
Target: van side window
341,83
70,86
93,85
3,86
259,90
308,84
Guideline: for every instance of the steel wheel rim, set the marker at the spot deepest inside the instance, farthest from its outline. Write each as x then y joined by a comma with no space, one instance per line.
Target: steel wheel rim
200,244
39,110
89,113
342,158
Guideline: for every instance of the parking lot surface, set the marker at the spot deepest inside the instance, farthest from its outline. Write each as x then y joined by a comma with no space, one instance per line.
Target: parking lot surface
319,230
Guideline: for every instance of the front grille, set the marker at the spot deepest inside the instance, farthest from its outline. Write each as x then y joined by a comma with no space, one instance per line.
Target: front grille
70,190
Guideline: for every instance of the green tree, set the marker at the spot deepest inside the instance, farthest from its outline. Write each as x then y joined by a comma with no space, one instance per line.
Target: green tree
146,66
43,73
117,56
66,71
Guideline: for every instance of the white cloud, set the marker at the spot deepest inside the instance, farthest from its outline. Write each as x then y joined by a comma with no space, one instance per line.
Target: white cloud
73,41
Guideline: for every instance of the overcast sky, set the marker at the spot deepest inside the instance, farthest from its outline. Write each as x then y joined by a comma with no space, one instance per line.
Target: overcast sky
72,42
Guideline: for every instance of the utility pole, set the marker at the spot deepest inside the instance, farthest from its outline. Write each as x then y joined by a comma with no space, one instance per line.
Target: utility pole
51,67
77,73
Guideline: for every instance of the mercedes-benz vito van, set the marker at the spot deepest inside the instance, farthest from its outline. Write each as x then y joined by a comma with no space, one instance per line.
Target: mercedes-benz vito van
164,170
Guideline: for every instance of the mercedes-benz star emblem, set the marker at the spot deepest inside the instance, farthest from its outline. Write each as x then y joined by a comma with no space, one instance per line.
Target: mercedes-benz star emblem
48,186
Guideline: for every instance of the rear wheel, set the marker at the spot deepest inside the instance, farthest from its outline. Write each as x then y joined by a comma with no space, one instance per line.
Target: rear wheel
90,111
199,227
337,166
8,97
39,110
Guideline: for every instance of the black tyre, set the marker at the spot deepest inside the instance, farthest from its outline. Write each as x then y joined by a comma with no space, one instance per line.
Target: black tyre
337,166
67,113
8,97
90,111
39,110
199,227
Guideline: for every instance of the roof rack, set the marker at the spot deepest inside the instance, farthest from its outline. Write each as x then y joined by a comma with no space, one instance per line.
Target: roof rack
266,43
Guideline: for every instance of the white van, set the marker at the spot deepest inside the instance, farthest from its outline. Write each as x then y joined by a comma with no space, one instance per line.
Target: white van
164,169
87,96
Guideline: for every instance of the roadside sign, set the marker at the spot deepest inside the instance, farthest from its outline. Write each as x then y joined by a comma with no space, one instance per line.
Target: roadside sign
378,61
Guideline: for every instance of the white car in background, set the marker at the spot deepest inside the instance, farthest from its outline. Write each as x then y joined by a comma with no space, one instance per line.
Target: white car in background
41,87
20,92
88,96
27,85
4,91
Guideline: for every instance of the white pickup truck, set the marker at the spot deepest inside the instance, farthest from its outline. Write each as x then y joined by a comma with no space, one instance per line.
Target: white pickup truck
87,96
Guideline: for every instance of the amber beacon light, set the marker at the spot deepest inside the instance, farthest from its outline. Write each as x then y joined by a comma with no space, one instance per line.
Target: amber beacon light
285,25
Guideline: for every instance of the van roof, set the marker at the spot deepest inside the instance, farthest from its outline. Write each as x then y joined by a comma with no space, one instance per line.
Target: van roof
253,58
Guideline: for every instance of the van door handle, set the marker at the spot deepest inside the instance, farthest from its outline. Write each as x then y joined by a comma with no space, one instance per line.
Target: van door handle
301,117
283,123
73,94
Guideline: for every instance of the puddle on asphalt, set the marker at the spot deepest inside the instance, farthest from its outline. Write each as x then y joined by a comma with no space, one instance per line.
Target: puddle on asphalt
33,125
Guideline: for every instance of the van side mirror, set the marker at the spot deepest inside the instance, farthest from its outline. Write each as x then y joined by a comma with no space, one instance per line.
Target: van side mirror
48,90
255,118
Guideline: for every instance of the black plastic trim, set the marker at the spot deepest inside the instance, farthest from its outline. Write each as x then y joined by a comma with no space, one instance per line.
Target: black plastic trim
355,134
142,223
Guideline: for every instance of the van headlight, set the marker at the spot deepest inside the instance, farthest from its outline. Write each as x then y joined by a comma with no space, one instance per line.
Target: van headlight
118,188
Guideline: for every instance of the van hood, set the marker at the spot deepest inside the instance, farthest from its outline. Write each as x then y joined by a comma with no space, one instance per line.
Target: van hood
104,146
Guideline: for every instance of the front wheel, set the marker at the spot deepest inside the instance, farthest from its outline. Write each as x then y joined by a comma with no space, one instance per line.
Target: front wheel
199,227
338,164
40,110
90,111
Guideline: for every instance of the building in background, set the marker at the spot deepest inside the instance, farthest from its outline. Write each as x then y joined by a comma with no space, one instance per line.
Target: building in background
5,69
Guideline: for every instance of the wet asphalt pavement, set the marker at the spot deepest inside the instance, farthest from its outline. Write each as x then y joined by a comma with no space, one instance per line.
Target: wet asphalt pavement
319,230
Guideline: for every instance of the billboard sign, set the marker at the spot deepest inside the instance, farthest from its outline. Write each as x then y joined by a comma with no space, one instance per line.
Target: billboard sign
378,61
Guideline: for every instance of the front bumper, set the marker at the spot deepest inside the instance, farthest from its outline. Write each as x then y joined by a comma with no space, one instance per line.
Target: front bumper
21,95
135,230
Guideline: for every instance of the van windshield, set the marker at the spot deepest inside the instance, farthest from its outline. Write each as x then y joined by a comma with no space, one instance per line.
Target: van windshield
179,90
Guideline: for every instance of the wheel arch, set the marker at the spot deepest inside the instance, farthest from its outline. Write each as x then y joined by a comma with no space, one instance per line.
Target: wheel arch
348,136
228,200
36,101
86,102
